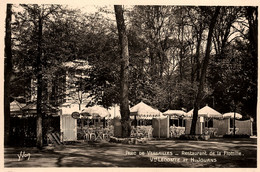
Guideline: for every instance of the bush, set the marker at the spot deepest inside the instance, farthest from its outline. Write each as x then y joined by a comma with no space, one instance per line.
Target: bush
236,136
194,137
131,141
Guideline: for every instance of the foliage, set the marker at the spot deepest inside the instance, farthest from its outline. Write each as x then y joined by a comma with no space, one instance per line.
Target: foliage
166,49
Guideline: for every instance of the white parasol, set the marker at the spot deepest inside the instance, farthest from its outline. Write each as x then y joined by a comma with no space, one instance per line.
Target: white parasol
206,111
144,111
231,115
97,111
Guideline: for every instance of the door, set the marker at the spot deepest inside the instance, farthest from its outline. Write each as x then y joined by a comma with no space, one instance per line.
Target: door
68,128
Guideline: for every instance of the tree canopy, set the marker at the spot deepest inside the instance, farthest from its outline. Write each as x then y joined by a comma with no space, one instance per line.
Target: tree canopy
167,45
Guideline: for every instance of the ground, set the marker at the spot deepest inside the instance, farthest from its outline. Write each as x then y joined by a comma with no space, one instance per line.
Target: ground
216,152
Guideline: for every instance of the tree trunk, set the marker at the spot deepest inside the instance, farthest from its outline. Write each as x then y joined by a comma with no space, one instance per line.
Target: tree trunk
181,51
203,72
197,57
39,141
124,86
252,17
7,76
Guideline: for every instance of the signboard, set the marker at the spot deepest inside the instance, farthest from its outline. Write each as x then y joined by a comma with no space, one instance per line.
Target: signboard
75,115
201,119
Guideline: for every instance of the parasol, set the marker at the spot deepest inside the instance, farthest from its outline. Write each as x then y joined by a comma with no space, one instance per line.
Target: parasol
206,111
231,115
175,113
96,111
144,111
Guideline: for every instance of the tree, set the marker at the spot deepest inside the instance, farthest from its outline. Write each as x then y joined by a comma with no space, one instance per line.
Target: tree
250,64
198,22
220,67
102,52
233,72
252,17
34,18
39,139
203,72
8,73
124,72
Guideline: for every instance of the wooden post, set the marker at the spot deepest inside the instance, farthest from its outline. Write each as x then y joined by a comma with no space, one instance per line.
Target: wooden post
135,121
88,121
99,121
234,122
82,123
159,128
168,127
104,122
251,125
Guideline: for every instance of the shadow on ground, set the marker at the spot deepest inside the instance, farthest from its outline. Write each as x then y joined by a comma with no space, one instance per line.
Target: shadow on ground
156,153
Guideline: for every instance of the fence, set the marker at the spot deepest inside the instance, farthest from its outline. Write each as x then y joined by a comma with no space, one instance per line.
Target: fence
199,127
160,127
23,130
244,127
222,125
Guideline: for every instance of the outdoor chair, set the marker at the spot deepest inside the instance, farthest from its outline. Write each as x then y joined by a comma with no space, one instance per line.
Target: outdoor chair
141,131
133,132
171,134
147,131
176,131
90,134
150,133
231,131
140,135
105,134
92,137
206,131
213,131
105,137
87,135
111,131
99,134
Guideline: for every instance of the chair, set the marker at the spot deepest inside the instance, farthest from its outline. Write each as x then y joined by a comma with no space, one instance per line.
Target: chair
92,137
150,133
133,132
86,135
99,135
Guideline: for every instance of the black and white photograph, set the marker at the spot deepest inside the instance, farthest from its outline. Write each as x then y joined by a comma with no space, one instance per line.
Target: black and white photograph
116,85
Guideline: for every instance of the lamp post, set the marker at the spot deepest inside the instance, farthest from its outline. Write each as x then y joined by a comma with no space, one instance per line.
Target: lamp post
233,92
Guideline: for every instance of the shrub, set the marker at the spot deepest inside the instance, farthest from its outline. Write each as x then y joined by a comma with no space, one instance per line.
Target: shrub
236,136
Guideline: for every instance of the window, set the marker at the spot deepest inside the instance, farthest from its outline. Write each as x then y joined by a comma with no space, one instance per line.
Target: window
209,123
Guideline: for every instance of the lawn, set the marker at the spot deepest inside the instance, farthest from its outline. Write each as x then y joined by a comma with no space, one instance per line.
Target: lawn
217,152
